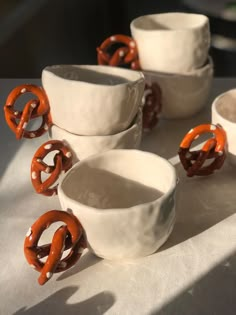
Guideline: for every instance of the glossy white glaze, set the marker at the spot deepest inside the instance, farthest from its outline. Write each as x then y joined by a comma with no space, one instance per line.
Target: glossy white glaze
172,42
223,112
84,146
92,99
125,200
184,95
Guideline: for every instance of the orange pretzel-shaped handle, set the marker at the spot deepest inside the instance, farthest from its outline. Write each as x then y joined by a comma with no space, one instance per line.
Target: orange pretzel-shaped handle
152,99
33,109
214,148
69,236
62,162
126,55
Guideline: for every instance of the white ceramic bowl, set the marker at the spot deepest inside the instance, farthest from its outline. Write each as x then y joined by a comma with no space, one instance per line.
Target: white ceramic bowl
183,95
84,146
223,112
125,201
93,99
171,42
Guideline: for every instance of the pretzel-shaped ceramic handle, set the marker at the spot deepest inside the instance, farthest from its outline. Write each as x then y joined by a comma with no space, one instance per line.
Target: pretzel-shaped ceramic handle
33,109
124,55
62,162
214,148
69,236
152,100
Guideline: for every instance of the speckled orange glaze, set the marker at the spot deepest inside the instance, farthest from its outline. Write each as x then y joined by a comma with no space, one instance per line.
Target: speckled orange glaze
69,236
193,134
62,162
214,148
33,109
127,55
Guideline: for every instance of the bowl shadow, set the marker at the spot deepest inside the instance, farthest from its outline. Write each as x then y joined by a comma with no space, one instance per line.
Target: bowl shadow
202,202
57,304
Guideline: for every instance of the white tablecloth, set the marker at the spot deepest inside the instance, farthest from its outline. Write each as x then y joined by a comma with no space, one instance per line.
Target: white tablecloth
193,273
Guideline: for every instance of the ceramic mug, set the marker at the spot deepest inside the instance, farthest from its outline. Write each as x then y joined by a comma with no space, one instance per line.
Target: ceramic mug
223,112
172,50
172,42
93,100
84,100
119,204
84,146
125,201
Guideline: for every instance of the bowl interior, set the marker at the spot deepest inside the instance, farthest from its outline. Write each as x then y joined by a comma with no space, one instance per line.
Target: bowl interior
119,179
101,75
226,106
169,21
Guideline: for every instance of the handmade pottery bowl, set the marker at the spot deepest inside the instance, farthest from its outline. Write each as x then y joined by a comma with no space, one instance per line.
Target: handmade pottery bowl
223,112
84,146
183,95
91,99
171,42
125,201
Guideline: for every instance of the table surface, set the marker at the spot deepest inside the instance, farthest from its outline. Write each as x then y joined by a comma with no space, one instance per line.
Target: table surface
193,273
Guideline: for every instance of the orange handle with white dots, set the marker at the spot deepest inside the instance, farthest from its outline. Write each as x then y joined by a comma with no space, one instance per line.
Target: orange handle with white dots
68,236
33,109
214,148
62,162
125,55
193,134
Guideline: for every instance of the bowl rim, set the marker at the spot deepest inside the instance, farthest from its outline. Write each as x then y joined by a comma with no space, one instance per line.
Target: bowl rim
137,121
107,211
202,18
208,68
215,110
132,76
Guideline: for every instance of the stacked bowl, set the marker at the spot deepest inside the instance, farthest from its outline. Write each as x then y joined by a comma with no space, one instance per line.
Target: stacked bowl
94,108
173,51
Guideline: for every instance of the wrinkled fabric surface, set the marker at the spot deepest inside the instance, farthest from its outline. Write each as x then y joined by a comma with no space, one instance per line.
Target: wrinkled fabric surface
193,273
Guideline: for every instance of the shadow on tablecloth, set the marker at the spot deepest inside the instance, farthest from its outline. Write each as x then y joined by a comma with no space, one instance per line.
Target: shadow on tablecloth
202,202
57,304
214,293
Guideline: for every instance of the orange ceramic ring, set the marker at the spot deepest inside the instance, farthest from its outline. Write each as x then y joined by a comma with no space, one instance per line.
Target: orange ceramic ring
124,55
194,133
214,148
62,162
72,231
33,109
